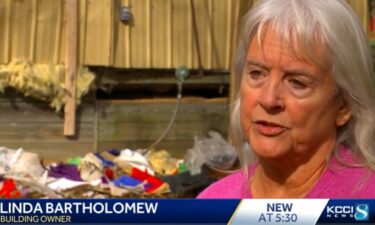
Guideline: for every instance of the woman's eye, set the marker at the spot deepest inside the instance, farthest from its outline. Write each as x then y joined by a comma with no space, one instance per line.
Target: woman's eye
300,87
295,83
255,74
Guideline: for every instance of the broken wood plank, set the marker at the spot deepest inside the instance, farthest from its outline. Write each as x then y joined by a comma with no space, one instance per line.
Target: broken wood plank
71,66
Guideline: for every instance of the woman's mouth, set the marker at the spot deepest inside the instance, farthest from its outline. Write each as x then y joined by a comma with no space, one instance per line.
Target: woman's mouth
268,129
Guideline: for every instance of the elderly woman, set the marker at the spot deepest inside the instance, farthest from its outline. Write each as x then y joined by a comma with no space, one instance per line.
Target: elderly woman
304,104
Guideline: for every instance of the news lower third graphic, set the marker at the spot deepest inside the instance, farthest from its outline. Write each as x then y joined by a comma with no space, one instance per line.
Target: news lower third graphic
304,211
187,211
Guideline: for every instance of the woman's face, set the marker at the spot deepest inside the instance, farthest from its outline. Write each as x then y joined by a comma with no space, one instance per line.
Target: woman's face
288,105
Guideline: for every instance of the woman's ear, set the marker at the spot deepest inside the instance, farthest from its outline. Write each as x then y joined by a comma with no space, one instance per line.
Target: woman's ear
344,115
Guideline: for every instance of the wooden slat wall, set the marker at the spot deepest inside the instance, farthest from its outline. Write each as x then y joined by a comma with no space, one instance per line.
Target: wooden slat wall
160,36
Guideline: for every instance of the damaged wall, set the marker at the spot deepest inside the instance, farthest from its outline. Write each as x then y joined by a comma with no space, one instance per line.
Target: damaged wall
138,123
108,124
160,36
32,125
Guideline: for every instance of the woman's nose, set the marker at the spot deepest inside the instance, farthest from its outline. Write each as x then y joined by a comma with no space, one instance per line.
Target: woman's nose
271,98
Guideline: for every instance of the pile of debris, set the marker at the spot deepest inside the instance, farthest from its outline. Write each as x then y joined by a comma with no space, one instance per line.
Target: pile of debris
114,173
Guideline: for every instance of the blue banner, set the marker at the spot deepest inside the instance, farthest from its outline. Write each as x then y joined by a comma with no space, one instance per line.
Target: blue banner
187,211
105,211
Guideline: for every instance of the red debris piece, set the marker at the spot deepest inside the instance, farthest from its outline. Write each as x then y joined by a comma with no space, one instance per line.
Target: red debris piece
108,173
9,190
153,183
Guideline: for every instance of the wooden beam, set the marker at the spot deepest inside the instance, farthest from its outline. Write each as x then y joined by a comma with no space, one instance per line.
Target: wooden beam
112,33
169,34
34,31
57,44
7,32
127,36
148,35
83,25
71,8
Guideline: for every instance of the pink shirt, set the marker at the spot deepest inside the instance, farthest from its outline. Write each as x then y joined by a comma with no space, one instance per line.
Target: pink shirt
336,182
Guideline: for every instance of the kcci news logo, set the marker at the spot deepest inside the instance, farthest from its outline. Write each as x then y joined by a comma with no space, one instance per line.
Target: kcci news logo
360,212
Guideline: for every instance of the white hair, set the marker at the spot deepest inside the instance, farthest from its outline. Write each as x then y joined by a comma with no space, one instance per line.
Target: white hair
306,23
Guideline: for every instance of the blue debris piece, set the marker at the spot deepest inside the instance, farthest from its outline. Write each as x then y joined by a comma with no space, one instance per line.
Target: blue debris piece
126,181
114,152
105,162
